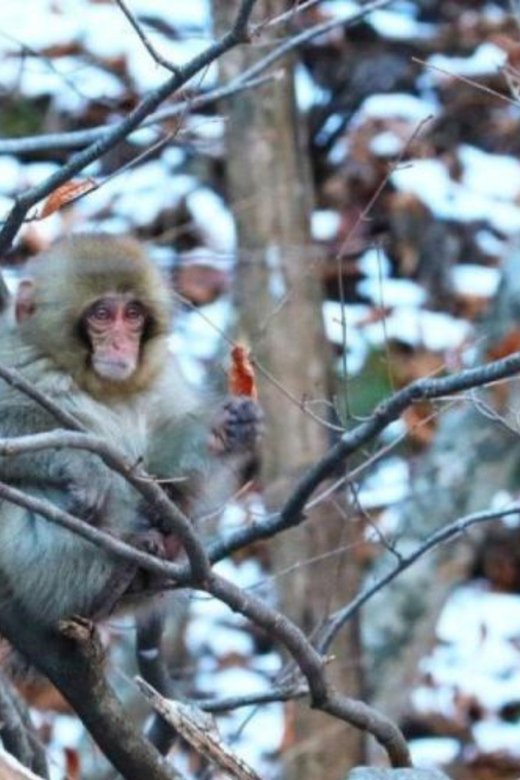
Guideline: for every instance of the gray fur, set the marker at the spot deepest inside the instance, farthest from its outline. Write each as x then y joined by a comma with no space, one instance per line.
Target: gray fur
50,572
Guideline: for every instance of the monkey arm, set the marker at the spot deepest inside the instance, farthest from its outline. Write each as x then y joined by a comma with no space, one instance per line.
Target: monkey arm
78,479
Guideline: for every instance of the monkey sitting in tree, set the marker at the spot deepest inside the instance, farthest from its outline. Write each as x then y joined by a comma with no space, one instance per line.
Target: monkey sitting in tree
93,322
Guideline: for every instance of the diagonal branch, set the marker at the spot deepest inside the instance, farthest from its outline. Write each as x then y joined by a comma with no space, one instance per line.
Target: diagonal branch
312,666
336,621
23,203
293,512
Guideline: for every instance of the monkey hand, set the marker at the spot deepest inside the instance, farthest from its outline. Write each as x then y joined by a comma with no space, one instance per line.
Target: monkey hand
238,426
154,542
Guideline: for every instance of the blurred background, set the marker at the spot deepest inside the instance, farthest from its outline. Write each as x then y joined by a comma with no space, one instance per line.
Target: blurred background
355,218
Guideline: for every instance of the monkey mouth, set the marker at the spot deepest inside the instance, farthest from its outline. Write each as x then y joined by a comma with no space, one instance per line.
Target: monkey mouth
114,370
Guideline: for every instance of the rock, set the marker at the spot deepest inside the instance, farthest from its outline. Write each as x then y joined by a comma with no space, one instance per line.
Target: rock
368,773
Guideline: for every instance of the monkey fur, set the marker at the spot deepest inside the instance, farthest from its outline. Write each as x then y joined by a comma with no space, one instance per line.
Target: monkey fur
151,416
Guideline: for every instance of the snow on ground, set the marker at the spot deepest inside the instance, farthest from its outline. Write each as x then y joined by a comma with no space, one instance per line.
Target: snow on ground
477,659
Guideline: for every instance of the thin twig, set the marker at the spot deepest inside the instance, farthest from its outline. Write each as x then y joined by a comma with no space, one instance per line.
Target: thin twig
293,512
470,82
24,202
79,138
338,620
145,40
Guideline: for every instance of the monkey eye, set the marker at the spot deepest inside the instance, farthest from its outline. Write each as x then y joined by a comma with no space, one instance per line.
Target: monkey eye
134,311
100,312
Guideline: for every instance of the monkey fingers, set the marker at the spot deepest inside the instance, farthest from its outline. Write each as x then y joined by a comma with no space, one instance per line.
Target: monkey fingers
239,425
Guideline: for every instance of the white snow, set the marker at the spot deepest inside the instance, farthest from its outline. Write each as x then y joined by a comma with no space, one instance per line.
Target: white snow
496,614
10,173
219,640
494,175
388,484
495,736
392,292
213,218
395,104
399,26
338,9
451,200
477,280
489,243
325,224
375,262
386,144
308,93
486,58
339,318
430,752
435,331
197,335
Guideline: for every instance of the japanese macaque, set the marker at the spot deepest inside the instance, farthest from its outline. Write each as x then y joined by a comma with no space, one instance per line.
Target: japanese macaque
91,335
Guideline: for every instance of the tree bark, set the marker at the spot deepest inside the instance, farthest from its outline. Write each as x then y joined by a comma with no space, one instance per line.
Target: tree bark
279,303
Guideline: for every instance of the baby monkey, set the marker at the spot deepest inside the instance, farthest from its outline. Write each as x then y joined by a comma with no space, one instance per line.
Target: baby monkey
93,321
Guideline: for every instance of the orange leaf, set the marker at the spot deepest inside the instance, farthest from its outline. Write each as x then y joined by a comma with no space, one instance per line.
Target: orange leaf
241,375
72,764
66,194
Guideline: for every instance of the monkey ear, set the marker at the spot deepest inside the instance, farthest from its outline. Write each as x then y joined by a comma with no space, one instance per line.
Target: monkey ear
24,306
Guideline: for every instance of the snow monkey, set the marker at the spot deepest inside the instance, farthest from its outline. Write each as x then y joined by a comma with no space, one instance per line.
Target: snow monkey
91,335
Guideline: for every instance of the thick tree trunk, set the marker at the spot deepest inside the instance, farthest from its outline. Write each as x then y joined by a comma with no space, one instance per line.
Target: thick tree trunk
279,301
278,290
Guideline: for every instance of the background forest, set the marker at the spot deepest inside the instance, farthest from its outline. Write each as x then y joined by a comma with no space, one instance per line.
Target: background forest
342,194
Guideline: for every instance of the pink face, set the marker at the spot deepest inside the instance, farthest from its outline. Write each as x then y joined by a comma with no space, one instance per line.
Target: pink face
115,326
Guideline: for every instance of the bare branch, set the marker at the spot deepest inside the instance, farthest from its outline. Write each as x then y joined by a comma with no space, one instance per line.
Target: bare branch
348,20
312,666
16,380
200,731
12,769
76,139
293,513
338,620
79,161
470,82
385,413
373,722
73,660
145,40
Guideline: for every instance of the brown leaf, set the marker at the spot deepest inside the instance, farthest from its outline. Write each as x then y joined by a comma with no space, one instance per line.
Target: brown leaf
65,194
241,377
72,763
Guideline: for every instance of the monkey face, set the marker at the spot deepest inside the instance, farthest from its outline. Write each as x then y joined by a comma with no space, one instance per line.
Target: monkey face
114,327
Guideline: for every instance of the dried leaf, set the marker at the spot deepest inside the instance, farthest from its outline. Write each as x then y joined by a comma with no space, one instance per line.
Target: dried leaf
241,375
66,194
72,763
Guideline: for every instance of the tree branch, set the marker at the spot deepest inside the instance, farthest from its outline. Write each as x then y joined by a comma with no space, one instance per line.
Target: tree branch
336,621
293,512
145,40
312,666
77,139
73,661
24,202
